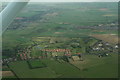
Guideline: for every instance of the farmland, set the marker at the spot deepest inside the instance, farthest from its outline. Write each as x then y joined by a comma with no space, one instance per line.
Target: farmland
36,64
53,70
43,38
107,37
99,67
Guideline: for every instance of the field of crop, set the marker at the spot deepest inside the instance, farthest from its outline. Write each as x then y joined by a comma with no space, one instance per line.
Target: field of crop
107,37
22,70
54,69
7,73
91,67
60,20
75,26
82,13
36,64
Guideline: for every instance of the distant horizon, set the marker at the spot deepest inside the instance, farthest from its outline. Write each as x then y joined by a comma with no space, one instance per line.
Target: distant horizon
74,1
60,0
66,2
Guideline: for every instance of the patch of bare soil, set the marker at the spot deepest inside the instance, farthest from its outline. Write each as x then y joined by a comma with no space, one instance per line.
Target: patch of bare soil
110,38
103,9
7,73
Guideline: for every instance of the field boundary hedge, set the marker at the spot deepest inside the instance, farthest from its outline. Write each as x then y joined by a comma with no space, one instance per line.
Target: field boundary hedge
17,78
31,67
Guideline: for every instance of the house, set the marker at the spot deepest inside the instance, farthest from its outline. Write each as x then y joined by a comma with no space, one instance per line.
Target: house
116,46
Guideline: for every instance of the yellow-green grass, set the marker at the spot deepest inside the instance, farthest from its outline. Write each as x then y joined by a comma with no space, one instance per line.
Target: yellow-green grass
22,70
94,67
54,69
36,64
91,67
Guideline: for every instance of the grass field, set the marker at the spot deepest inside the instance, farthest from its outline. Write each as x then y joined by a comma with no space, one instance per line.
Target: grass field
60,20
54,69
64,70
36,64
22,70
91,67
62,23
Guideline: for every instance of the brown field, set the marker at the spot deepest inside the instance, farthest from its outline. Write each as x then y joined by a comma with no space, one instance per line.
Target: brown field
7,73
103,9
110,15
52,14
110,38
58,33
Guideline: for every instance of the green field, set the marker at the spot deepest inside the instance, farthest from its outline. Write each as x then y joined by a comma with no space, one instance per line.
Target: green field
62,26
54,69
36,64
51,19
25,72
91,67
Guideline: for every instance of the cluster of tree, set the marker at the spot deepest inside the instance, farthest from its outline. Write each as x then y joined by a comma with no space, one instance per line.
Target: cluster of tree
106,26
21,23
